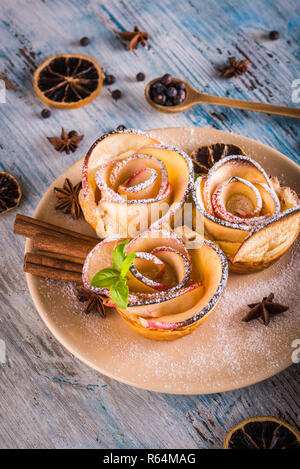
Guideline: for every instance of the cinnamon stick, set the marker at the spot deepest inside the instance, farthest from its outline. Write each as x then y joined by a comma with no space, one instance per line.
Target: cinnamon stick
63,257
62,245
30,227
52,262
51,272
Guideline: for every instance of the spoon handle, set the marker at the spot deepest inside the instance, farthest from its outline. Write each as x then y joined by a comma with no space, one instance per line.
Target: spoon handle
202,98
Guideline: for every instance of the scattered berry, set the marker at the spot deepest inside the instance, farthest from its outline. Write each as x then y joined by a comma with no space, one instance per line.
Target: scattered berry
166,79
109,79
116,94
121,127
140,76
84,41
274,35
45,113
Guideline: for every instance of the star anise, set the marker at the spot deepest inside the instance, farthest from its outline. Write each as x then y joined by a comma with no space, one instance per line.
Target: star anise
235,68
68,198
264,309
205,157
94,301
134,37
66,142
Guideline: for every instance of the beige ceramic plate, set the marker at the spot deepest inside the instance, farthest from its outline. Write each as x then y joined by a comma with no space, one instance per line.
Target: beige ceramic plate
224,353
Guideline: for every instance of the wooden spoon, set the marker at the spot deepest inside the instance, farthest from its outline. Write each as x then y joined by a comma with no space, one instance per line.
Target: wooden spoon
195,97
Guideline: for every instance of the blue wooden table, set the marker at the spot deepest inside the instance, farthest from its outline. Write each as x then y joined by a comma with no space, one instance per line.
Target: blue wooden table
48,398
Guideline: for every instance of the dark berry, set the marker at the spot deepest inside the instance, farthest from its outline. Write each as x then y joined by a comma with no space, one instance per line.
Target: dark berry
169,102
158,87
84,41
46,113
121,127
109,79
166,79
116,94
140,76
180,85
274,35
179,98
72,133
176,100
160,99
171,92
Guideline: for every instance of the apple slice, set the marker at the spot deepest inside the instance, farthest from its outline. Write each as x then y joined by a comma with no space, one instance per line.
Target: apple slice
145,274
110,192
219,225
268,242
214,228
228,167
129,217
156,238
143,184
173,313
101,177
180,171
166,246
142,177
128,168
177,271
100,257
270,201
180,315
287,197
109,147
237,199
184,301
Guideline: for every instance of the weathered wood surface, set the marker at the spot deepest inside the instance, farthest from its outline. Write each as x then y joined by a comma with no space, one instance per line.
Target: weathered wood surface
48,398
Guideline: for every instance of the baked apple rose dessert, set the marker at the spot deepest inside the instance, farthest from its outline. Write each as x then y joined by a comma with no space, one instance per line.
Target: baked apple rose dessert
131,181
159,287
252,219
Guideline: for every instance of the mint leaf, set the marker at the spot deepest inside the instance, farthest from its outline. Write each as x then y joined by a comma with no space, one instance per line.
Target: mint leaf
119,254
119,293
115,278
127,263
105,278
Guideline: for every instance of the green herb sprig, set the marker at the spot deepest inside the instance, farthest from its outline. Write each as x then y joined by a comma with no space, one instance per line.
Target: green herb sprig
115,278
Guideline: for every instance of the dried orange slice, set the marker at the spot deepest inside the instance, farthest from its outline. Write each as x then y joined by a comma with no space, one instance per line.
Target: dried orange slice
262,433
10,192
68,80
206,156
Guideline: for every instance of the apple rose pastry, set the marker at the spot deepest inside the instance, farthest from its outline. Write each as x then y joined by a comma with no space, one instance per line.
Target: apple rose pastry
130,181
252,219
170,289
